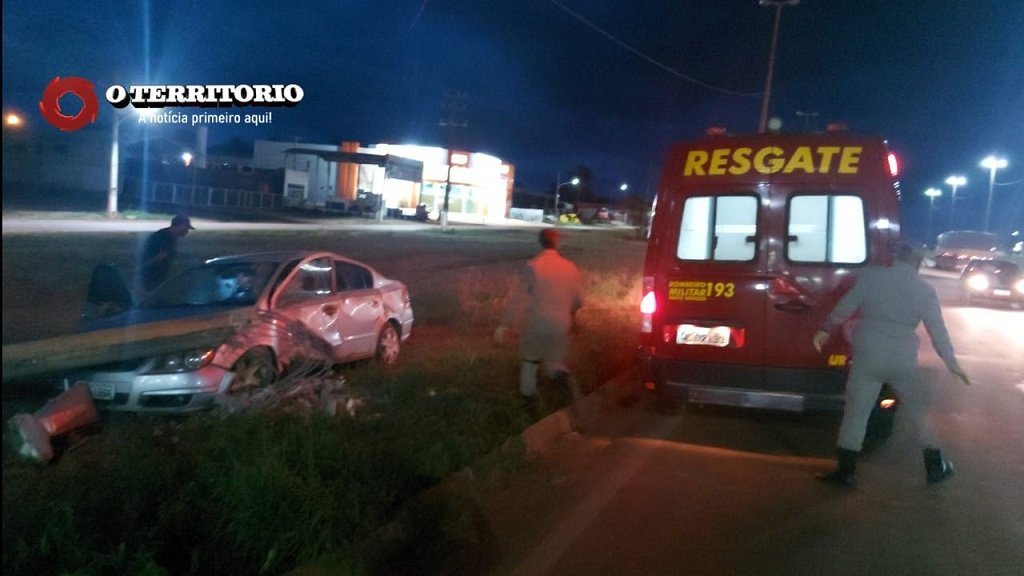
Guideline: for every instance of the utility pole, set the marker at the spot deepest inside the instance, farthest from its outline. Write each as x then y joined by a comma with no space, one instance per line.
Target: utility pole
454,117
778,4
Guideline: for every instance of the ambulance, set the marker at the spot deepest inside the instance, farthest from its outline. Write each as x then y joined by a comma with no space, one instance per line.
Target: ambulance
753,241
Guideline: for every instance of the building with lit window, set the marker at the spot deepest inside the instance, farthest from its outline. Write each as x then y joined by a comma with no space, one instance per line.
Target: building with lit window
402,177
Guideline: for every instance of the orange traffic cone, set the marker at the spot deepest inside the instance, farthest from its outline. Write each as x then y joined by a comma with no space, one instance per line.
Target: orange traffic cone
73,409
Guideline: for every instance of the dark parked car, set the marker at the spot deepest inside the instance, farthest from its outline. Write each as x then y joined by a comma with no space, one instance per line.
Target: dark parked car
992,281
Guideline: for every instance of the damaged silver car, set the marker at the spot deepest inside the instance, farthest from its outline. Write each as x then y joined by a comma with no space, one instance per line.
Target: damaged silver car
279,307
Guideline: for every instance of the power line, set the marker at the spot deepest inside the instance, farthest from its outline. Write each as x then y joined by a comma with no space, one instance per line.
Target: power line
664,67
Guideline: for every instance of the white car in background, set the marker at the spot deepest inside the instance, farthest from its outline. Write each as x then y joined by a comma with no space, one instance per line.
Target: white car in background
294,305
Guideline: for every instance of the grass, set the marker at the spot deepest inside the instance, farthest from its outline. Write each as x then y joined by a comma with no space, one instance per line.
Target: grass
259,494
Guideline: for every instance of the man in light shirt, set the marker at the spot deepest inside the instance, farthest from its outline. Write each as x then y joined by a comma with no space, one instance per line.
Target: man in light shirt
550,289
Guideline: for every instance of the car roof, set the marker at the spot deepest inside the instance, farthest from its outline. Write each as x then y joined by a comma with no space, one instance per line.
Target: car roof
272,256
278,257
991,263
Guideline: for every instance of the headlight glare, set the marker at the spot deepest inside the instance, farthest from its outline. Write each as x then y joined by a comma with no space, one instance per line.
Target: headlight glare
978,282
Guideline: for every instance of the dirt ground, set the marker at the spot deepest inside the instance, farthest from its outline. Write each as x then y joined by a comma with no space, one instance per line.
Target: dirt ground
45,276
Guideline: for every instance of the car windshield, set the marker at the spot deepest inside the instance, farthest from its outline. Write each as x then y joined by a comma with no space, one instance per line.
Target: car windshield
997,267
213,284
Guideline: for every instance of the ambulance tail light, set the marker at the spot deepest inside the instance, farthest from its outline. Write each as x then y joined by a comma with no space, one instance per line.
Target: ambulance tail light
648,306
894,165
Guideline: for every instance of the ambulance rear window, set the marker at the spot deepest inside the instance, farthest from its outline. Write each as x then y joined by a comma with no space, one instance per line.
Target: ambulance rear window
720,228
826,228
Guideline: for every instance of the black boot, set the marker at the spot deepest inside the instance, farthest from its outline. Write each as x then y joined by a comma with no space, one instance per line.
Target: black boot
532,407
845,472
561,388
935,467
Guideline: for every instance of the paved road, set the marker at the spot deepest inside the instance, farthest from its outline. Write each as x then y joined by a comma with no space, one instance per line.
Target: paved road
733,493
40,223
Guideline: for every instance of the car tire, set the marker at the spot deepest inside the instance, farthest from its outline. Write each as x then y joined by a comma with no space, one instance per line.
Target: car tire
389,345
254,369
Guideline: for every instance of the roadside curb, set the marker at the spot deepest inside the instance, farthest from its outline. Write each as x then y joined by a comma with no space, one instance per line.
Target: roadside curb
445,526
543,434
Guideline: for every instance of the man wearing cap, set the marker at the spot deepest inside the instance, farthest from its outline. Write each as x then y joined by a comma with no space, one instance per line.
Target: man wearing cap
892,302
158,253
550,289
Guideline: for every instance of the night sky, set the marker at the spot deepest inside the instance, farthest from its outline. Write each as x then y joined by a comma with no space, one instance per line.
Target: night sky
551,85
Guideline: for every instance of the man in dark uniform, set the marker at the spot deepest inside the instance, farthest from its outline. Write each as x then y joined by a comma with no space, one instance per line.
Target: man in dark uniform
158,253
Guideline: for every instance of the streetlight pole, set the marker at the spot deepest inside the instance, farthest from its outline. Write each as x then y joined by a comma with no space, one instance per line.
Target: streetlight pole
955,182
115,147
187,158
932,194
558,187
447,193
993,164
771,57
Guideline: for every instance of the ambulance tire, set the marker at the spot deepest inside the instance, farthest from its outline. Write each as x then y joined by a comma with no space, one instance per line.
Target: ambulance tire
880,423
658,403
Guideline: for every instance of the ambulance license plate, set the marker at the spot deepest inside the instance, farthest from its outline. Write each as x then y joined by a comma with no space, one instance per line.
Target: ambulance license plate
703,335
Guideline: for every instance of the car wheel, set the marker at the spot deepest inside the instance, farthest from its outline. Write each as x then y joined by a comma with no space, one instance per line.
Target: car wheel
255,369
389,344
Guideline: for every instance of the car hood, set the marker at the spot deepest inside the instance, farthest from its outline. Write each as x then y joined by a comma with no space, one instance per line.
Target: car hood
137,316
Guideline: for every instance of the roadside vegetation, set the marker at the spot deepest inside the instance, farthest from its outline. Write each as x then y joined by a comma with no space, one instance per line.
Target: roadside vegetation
263,493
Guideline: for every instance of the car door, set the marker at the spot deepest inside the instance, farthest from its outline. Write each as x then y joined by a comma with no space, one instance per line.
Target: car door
825,242
713,310
361,309
309,297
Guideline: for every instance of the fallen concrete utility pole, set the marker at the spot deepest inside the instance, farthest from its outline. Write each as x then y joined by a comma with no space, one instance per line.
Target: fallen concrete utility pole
52,355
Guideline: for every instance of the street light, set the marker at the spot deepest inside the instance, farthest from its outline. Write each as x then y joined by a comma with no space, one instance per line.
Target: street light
558,187
932,194
771,57
624,187
993,164
954,181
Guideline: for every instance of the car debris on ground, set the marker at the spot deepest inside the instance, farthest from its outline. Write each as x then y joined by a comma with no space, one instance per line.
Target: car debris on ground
32,435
